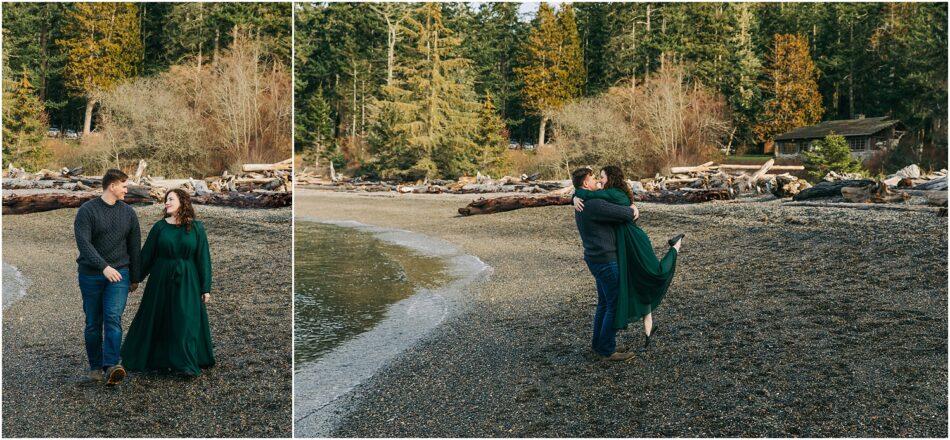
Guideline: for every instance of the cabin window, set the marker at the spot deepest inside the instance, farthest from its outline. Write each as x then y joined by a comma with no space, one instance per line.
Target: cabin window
788,148
858,143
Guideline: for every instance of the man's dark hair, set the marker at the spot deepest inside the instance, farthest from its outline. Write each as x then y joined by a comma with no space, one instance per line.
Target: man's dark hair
113,175
578,176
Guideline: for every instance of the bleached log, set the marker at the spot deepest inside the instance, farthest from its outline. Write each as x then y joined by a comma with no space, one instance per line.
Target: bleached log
140,170
287,164
755,167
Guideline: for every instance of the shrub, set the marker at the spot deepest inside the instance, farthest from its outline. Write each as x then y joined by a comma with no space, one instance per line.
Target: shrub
829,154
647,128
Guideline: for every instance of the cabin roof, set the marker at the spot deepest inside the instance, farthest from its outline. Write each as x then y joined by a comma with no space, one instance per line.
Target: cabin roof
843,127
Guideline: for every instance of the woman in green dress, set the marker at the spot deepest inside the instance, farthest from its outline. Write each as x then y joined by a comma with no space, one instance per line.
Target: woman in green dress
170,330
644,278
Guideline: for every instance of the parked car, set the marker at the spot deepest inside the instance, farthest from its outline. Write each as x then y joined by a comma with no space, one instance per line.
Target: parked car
53,132
71,134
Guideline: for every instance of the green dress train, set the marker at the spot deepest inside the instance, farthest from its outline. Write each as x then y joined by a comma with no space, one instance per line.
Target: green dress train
644,279
170,330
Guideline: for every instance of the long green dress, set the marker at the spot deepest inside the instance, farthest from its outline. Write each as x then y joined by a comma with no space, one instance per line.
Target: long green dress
644,279
170,330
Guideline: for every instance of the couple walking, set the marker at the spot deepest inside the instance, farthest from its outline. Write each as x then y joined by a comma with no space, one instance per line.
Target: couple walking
170,330
631,280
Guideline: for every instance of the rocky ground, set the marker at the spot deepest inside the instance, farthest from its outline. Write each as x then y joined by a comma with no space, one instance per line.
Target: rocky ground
782,321
248,392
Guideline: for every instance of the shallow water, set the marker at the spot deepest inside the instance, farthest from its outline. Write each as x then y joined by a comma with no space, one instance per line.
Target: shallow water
14,285
345,281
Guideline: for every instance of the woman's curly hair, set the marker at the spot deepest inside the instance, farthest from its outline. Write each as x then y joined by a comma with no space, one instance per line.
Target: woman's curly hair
186,212
615,179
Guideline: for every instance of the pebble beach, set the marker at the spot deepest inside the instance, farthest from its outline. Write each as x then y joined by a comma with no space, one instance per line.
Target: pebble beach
781,321
248,392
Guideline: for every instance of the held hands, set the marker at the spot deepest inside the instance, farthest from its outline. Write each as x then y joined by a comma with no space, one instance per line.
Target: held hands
206,298
578,204
111,274
636,212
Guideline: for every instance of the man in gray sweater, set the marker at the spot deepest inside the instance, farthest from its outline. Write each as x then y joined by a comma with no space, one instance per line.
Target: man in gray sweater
108,237
596,224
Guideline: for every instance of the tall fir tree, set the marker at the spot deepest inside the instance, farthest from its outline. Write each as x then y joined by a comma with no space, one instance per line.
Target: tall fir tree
434,98
492,140
743,85
553,71
30,31
794,100
103,46
313,124
24,125
495,44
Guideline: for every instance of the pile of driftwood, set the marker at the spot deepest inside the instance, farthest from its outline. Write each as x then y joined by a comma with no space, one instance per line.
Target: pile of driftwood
737,179
258,186
478,184
694,184
907,187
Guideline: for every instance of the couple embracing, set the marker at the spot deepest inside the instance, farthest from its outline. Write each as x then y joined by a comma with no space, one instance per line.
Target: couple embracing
170,331
631,280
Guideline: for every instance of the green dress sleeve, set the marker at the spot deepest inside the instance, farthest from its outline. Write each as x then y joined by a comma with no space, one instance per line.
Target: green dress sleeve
203,259
612,195
150,250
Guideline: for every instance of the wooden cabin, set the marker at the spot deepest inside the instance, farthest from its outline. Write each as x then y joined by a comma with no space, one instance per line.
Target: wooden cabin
865,136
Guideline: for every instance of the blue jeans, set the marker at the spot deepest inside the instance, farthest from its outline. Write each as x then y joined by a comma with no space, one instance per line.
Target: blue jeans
604,341
103,302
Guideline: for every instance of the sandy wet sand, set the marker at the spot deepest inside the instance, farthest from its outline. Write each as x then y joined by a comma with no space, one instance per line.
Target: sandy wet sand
782,321
248,392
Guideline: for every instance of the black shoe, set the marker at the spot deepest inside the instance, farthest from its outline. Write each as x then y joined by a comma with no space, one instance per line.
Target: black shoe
676,238
646,343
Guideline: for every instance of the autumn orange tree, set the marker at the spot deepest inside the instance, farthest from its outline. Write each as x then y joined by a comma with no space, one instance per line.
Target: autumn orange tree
553,72
793,85
103,46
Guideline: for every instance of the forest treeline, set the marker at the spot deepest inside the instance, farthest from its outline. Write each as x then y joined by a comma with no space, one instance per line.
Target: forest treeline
440,89
194,88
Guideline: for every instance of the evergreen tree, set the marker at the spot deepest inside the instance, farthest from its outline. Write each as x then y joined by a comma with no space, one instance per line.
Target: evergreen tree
829,154
492,140
392,155
435,98
30,31
743,90
594,28
553,71
24,125
313,123
103,45
794,100
495,40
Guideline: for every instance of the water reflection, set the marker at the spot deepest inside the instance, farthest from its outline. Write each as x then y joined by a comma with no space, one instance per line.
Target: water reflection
344,282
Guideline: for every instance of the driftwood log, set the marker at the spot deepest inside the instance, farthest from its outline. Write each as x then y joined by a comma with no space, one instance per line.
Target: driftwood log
936,184
830,189
26,202
685,195
874,193
235,199
510,203
285,165
30,201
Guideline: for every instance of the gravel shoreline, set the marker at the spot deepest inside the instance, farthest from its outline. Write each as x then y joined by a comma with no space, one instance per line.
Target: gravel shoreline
321,386
248,392
782,321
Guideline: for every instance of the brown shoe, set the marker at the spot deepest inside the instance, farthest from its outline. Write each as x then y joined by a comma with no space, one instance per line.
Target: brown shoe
115,374
619,356
96,375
